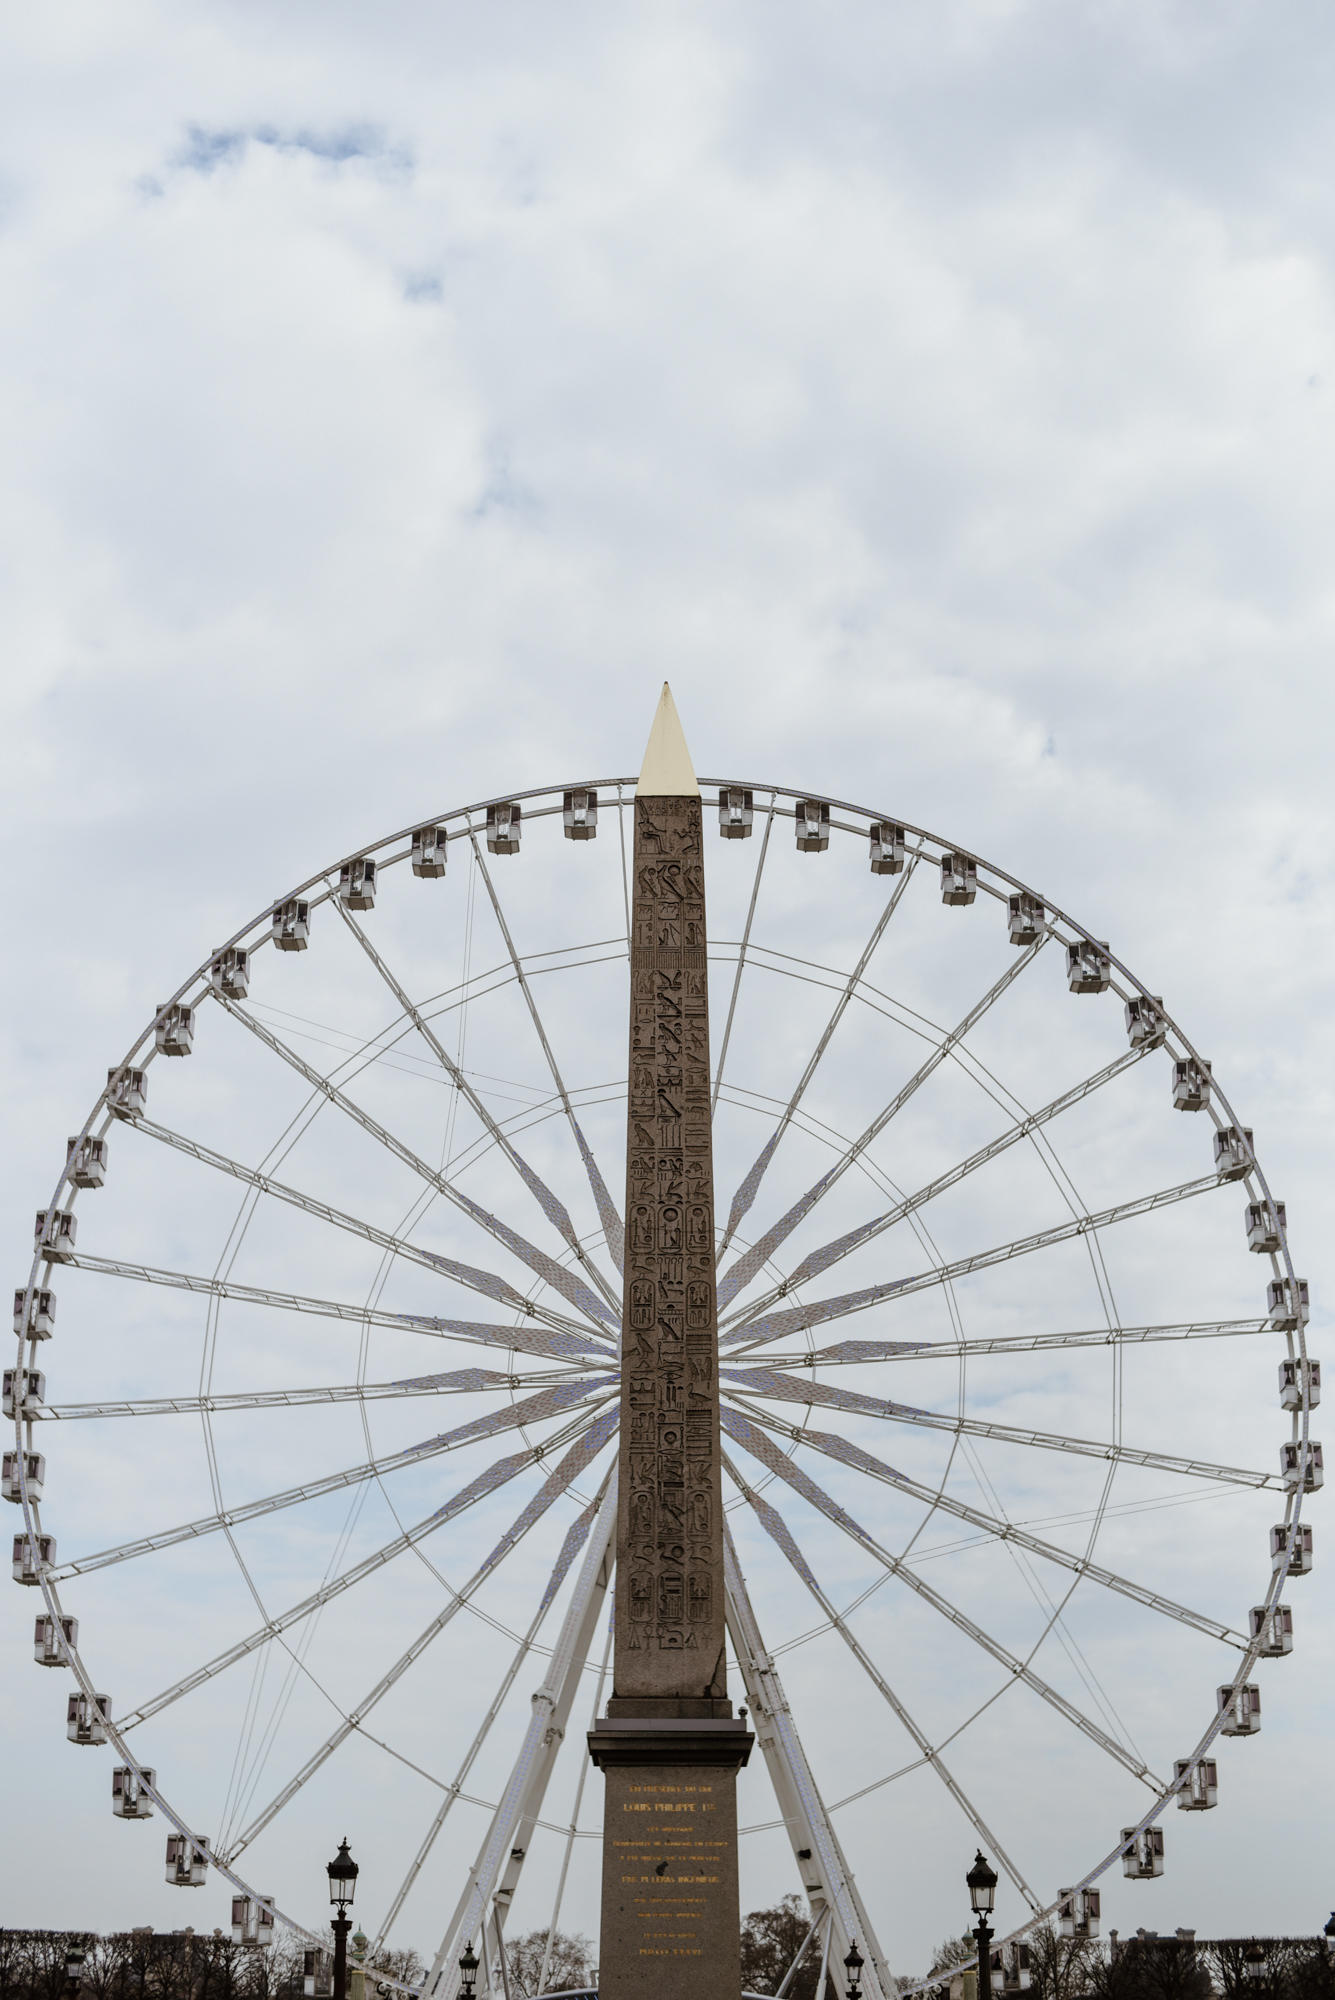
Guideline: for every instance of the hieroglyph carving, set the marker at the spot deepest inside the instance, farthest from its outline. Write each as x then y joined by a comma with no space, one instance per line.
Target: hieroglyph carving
669,1631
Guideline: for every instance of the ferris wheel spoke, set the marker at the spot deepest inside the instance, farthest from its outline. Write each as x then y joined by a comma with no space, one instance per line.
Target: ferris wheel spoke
933,1757
750,1185
782,1536
603,1201
563,1340
771,1382
576,1536
547,1199
750,1432
457,1382
535,1409
795,1319
842,1246
752,1260
742,950
572,1288
577,1460
851,1353
477,1280
486,1483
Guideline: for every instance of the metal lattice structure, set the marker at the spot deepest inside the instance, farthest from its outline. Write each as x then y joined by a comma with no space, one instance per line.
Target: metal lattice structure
440,1174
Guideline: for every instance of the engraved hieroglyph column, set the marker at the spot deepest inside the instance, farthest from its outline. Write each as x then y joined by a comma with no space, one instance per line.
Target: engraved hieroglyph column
669,1745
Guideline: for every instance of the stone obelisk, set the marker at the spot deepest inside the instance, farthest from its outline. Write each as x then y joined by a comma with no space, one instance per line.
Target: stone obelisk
669,1746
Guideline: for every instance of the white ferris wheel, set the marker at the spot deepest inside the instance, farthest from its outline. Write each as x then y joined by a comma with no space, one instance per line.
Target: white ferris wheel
314,1468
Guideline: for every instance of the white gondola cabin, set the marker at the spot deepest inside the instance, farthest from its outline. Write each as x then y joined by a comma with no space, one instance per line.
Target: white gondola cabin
811,821
86,1161
33,1554
317,1974
129,1799
504,821
579,814
1300,1562
735,812
1299,1383
1287,1304
187,1864
252,1923
1265,1223
1302,1465
886,848
229,973
1198,1784
356,883
1142,1859
1274,1629
959,879
1088,967
16,1467
127,1093
1145,1022
1233,1152
1078,1912
54,1233
85,1719
1241,1710
35,1317
429,852
174,1029
22,1392
1009,1965
1191,1085
53,1639
1026,918
291,924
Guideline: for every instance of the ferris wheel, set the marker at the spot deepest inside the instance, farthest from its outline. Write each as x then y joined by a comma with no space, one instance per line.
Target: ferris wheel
1024,1529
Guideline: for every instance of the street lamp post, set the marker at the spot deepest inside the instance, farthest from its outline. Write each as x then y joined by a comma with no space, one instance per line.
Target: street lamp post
342,1872
982,1882
74,1960
468,1972
853,1965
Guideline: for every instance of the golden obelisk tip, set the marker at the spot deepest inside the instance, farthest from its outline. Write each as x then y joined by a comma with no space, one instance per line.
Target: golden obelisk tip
667,772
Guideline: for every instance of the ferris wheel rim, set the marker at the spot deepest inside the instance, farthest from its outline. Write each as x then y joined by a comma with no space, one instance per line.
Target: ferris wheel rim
66,1191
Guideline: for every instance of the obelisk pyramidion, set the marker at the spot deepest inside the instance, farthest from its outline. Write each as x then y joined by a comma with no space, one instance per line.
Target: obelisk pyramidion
669,1745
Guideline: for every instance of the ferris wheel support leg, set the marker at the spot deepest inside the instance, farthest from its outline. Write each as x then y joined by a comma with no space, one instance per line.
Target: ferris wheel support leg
825,1873
495,1874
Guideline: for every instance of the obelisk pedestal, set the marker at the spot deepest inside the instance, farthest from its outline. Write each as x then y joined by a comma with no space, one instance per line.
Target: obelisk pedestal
670,1747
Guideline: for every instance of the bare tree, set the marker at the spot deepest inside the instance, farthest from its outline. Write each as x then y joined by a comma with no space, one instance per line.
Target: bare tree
771,1939
568,1965
1061,1968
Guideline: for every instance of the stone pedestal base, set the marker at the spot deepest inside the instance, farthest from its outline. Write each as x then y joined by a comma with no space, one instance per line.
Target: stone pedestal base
670,1919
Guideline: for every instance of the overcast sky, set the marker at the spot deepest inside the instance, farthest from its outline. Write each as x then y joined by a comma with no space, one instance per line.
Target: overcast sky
941,395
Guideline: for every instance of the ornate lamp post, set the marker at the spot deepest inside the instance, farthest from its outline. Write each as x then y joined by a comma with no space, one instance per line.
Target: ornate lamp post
342,1872
853,1965
74,1958
468,1972
982,1882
